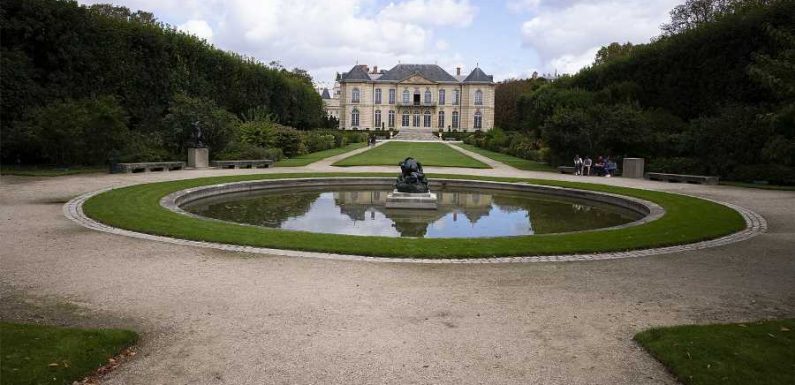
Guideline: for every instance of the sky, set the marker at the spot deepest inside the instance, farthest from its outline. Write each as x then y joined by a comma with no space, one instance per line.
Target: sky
506,38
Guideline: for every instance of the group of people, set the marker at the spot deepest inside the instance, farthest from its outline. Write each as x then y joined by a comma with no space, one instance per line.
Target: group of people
603,166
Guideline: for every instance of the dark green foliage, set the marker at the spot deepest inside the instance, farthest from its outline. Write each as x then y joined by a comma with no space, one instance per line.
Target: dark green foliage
245,151
85,131
185,113
53,51
715,97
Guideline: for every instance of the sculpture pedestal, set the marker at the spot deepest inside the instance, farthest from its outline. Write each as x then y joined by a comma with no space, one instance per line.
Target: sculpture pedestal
633,168
198,157
401,200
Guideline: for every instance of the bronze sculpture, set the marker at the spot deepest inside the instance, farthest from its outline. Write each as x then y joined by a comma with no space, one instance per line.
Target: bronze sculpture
411,179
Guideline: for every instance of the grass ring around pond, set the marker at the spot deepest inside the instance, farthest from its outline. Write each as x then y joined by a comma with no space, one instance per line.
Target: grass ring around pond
137,209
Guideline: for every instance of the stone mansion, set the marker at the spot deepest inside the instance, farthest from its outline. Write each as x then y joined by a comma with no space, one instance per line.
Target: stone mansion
414,96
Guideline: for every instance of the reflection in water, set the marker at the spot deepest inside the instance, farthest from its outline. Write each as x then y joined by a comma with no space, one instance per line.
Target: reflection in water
459,214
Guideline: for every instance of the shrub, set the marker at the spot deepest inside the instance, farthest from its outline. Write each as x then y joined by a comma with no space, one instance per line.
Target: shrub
317,141
71,132
217,125
242,151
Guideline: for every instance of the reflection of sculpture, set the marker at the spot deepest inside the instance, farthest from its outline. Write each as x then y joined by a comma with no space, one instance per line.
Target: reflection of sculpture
198,138
411,179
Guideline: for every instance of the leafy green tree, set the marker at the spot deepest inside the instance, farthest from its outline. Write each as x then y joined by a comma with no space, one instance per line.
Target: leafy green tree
217,125
612,52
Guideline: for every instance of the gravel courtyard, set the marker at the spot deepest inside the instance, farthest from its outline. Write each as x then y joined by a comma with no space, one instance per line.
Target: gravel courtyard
214,317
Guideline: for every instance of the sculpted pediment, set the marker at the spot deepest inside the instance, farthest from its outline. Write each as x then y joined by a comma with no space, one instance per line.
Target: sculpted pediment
416,79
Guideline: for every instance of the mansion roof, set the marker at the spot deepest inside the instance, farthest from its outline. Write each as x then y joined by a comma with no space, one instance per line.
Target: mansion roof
400,72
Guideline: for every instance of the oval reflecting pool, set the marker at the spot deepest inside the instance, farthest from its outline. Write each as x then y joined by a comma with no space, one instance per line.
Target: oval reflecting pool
460,214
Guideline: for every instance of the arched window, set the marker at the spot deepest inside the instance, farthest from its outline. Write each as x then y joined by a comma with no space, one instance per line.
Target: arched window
404,120
416,118
355,95
427,96
441,119
391,118
455,119
355,118
377,118
479,98
478,120
377,96
441,97
456,97
426,119
406,97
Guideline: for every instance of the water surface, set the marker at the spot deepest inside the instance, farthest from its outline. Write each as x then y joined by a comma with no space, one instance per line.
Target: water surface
461,214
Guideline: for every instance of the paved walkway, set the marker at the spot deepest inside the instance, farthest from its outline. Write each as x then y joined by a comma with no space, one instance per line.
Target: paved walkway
216,317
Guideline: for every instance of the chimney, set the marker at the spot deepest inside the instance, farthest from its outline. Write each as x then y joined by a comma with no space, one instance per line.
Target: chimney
457,71
375,69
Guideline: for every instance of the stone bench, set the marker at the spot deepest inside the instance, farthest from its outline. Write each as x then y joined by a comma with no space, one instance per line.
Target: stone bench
146,167
566,169
703,179
265,163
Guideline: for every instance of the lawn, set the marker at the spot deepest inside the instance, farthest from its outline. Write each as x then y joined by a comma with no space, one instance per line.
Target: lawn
49,171
687,219
429,154
522,164
35,354
303,160
760,353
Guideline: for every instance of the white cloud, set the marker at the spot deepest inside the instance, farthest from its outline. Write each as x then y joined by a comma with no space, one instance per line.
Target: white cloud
431,12
200,28
568,37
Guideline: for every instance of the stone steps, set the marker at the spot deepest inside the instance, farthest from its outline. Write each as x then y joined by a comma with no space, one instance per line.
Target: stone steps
416,134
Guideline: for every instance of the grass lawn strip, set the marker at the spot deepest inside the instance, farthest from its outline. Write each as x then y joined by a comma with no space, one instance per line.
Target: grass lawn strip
303,160
731,354
36,354
522,164
687,220
392,153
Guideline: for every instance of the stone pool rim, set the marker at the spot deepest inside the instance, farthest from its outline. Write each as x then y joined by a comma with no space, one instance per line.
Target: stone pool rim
648,210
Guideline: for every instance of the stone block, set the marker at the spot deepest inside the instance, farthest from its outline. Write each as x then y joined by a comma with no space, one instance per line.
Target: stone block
633,168
401,200
198,157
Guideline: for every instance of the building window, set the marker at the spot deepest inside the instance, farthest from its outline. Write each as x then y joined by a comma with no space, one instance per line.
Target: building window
441,119
391,96
355,118
456,97
416,118
441,97
404,120
378,118
426,119
355,95
406,97
478,120
455,119
427,96
478,98
377,96
391,118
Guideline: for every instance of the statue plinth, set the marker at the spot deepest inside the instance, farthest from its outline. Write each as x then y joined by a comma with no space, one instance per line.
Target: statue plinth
198,157
402,200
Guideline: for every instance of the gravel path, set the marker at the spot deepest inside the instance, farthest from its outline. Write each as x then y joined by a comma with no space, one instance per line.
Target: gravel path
215,317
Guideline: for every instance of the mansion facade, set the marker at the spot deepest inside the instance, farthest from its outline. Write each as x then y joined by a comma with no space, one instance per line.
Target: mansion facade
414,96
